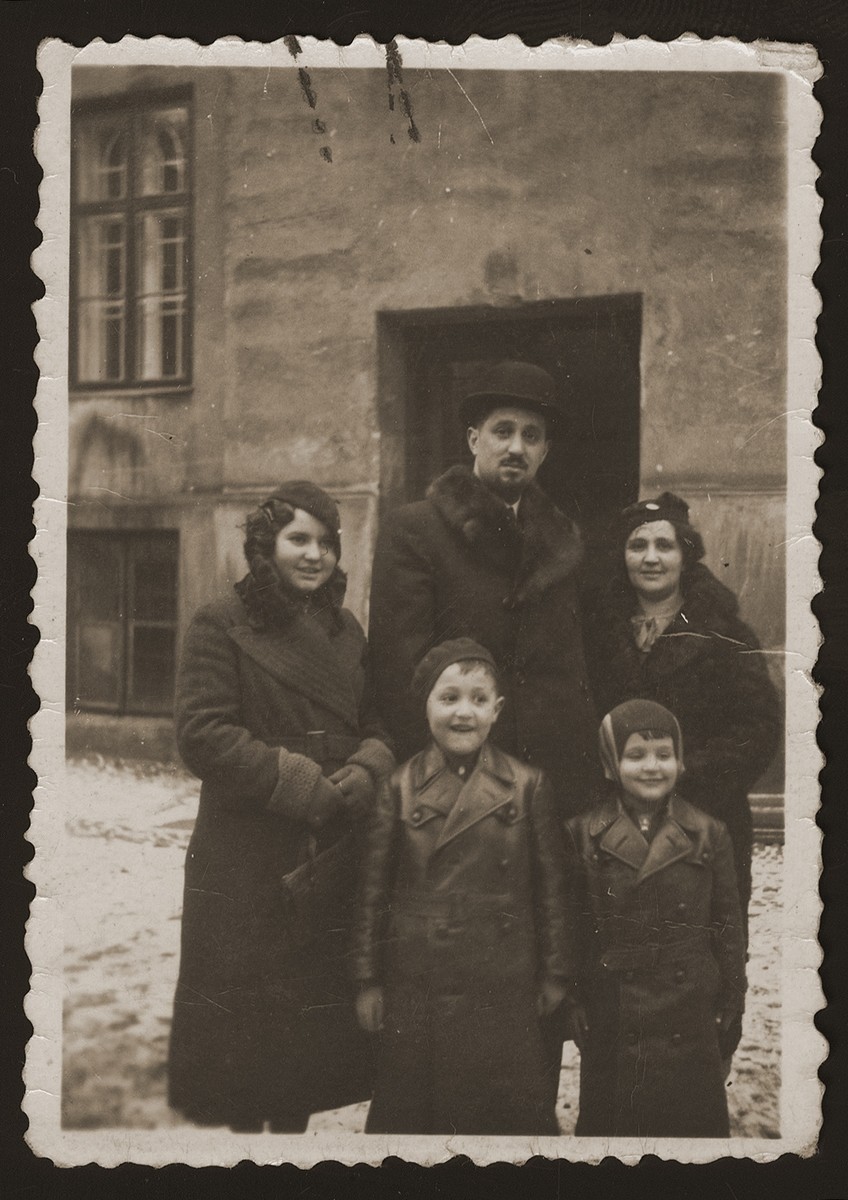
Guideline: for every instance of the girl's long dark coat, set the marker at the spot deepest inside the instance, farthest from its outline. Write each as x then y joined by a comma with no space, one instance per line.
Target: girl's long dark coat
708,669
663,953
263,1024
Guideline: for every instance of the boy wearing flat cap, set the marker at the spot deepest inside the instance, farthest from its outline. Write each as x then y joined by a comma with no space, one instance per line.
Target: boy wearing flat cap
461,939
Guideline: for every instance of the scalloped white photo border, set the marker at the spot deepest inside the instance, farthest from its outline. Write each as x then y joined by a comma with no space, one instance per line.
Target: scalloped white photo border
803,1048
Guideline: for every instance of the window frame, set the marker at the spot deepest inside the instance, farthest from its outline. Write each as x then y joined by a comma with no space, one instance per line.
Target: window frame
131,106
125,544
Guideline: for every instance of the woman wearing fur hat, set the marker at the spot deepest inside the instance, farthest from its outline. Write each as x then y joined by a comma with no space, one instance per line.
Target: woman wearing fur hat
273,715
668,630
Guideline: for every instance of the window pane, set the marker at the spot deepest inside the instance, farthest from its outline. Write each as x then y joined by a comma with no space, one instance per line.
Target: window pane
102,161
132,278
99,664
153,591
122,606
161,296
162,157
152,651
101,297
96,561
95,577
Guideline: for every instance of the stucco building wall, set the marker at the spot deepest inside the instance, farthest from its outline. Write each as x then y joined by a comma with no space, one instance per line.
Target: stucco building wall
524,186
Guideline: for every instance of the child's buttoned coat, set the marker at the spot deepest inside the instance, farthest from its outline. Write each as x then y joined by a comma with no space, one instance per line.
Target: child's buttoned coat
462,914
663,953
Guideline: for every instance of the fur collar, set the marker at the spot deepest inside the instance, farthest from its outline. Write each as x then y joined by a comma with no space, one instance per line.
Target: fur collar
705,599
547,547
271,606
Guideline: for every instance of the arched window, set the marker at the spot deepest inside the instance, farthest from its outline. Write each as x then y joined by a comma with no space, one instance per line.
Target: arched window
113,165
163,160
132,242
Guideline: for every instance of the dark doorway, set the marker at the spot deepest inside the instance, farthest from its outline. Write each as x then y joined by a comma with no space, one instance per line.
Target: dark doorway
591,347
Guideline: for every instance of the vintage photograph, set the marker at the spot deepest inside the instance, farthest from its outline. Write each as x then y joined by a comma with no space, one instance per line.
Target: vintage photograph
435,762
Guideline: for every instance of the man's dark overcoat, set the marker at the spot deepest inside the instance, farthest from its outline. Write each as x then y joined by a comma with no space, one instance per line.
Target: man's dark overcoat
707,668
663,953
456,565
263,1025
462,914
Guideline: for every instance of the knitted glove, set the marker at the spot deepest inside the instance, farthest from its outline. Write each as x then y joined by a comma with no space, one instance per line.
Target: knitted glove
325,802
357,788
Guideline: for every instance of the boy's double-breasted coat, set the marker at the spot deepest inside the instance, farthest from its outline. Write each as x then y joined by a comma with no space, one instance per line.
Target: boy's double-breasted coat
263,1026
662,953
462,914
457,564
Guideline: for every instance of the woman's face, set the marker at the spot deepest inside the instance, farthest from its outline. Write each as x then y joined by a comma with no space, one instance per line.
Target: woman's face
303,553
654,560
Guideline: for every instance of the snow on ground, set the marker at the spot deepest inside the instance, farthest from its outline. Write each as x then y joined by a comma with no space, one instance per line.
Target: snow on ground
127,829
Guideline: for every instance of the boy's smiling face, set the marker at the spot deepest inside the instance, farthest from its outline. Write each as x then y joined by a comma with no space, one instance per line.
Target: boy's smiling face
462,707
648,769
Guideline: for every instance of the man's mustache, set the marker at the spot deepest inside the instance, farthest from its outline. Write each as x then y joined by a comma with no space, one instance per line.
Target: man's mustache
513,460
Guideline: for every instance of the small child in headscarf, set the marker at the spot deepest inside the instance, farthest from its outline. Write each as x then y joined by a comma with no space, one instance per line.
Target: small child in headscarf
662,983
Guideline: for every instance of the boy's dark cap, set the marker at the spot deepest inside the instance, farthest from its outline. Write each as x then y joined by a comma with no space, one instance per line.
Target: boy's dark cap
512,383
445,655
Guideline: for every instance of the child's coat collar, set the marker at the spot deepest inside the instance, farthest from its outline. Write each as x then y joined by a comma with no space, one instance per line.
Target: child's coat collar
620,837
490,786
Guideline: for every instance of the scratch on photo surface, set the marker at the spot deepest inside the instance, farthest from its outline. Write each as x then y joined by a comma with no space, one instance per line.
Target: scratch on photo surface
473,105
793,412
208,999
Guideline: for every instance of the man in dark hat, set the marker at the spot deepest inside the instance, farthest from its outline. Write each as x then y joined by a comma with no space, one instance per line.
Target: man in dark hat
487,555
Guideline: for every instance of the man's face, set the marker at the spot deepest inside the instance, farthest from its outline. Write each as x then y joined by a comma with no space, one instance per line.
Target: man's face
509,445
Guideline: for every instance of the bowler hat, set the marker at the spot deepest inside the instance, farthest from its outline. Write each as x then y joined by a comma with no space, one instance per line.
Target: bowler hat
513,383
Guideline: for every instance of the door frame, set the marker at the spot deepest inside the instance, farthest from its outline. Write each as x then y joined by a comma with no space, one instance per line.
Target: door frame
396,347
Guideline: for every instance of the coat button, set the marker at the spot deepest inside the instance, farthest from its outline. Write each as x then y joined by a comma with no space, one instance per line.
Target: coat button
679,975
416,816
440,931
706,856
676,1039
504,864
681,906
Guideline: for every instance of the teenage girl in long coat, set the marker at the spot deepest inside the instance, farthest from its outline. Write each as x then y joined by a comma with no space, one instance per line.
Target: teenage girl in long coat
273,715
